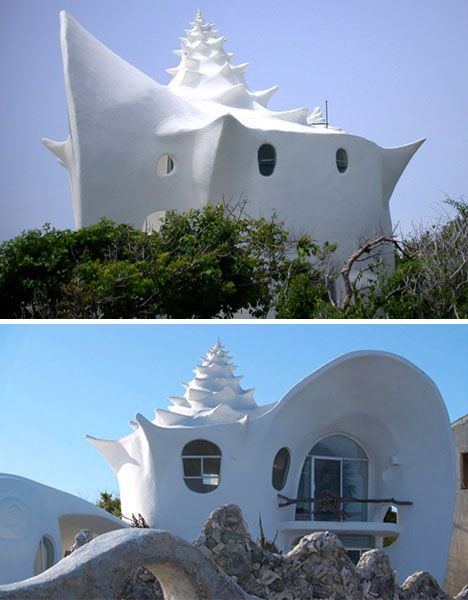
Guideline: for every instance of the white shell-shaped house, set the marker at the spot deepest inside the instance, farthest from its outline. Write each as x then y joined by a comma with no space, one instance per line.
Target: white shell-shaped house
368,426
137,148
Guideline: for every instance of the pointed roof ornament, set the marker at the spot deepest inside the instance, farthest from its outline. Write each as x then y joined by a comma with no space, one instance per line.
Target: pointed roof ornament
213,396
205,71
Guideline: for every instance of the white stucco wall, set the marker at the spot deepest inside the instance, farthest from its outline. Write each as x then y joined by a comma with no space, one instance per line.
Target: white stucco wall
31,510
386,404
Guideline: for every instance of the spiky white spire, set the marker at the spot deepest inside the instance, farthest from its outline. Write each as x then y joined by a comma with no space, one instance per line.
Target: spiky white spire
205,71
213,396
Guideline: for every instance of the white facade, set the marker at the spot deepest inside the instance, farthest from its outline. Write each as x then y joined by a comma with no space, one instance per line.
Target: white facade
214,445
137,148
38,523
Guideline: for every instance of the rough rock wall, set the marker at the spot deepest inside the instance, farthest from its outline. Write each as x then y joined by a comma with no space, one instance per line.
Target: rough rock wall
224,562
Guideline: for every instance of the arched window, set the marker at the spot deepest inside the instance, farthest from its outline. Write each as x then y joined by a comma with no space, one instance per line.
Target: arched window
341,160
336,466
280,469
45,555
266,159
165,165
202,466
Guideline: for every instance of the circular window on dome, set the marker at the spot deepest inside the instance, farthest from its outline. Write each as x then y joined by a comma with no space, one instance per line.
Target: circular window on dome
280,469
341,160
165,165
266,159
202,466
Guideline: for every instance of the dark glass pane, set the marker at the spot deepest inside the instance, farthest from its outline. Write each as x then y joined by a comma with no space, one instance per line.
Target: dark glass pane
357,541
211,466
192,467
196,485
327,482
266,159
303,510
354,555
280,469
201,447
355,486
49,549
341,160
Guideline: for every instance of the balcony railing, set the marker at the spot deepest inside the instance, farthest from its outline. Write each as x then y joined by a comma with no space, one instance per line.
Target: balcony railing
328,507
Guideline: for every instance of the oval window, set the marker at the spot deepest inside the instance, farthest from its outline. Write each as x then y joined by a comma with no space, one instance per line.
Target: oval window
341,160
266,159
202,466
280,469
165,165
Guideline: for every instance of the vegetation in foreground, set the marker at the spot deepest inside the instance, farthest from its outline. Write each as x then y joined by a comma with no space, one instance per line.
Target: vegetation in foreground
215,262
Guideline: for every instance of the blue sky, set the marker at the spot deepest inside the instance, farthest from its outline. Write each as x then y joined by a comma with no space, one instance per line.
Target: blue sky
392,70
60,382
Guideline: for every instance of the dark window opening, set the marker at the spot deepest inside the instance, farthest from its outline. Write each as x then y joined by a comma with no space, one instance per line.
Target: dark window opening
280,469
341,160
266,159
202,466
464,472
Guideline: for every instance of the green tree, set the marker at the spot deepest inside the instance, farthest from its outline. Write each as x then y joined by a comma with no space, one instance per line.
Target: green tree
203,263
107,501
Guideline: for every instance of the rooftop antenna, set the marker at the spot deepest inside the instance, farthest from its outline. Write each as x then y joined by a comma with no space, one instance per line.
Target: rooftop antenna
326,114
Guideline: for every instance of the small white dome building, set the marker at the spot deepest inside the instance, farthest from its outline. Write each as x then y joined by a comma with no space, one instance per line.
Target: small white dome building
137,148
38,523
367,432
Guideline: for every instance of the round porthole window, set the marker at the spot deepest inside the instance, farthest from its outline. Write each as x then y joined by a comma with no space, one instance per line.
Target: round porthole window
341,160
165,165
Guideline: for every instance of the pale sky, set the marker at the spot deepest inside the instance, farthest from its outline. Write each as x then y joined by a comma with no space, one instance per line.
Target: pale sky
60,382
393,71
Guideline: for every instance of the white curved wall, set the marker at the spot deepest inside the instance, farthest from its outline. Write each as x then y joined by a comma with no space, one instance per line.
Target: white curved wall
29,511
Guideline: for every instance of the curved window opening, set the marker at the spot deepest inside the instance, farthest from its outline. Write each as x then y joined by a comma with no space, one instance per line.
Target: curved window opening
266,159
280,469
202,466
45,555
165,165
336,467
341,160
391,516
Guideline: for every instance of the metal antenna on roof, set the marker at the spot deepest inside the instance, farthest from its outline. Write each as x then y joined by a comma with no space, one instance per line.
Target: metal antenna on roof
326,113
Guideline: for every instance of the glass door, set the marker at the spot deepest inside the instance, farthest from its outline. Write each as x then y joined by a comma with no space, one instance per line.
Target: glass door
326,480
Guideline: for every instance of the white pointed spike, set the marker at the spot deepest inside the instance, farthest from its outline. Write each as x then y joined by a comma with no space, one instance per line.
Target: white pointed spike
394,163
297,115
60,149
115,454
240,69
225,70
217,43
263,96
172,71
